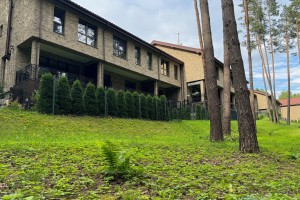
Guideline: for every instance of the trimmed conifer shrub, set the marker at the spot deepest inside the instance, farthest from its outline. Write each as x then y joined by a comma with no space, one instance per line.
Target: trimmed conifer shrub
121,104
90,101
136,105
151,107
100,96
63,97
187,113
130,105
144,107
112,105
163,108
198,112
45,99
77,105
157,105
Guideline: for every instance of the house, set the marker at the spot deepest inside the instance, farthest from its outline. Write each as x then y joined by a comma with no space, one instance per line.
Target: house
261,102
294,106
61,37
194,69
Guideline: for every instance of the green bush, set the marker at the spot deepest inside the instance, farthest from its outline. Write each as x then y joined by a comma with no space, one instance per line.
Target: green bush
121,104
186,113
63,97
144,106
46,94
117,162
77,98
157,105
90,101
112,105
151,107
198,112
129,104
2,94
100,96
163,108
136,105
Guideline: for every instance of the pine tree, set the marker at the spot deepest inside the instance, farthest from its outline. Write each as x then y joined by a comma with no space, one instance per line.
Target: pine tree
121,103
144,107
90,101
136,104
112,105
130,105
77,105
63,97
100,96
45,100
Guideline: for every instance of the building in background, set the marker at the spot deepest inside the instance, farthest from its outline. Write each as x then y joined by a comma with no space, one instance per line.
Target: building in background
294,106
194,70
63,38
261,102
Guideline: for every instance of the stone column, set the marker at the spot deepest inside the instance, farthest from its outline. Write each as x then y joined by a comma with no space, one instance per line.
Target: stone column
156,88
100,75
202,90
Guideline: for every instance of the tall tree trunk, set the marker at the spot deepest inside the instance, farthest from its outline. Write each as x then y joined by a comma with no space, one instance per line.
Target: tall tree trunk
248,140
198,24
288,74
297,34
226,122
268,75
252,102
211,76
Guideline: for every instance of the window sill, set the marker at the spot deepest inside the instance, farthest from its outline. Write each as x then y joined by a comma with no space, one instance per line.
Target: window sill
62,34
120,57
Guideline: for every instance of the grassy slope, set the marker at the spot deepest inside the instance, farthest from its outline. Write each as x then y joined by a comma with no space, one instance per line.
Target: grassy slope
59,157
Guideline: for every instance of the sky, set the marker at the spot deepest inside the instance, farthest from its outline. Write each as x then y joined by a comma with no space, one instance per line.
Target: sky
163,19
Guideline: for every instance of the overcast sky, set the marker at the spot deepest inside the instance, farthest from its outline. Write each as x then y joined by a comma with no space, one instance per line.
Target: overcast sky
163,19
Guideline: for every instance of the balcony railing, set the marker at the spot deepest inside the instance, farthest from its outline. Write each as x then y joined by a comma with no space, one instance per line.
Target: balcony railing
35,72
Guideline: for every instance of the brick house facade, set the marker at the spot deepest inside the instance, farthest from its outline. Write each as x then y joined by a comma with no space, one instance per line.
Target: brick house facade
66,39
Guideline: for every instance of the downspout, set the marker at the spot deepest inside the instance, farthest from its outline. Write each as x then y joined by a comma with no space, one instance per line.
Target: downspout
9,28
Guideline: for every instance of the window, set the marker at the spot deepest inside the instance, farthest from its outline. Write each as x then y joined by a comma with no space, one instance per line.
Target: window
176,72
149,60
130,85
164,67
138,55
59,21
119,47
86,33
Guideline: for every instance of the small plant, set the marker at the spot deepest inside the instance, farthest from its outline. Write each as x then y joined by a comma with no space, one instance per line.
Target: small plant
15,105
117,161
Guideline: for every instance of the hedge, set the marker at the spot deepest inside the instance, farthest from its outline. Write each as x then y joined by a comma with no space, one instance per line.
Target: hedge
45,100
121,104
77,105
112,105
63,97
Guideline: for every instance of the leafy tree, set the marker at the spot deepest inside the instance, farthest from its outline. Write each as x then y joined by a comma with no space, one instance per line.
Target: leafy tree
77,103
112,104
46,94
284,95
63,97
100,96
151,107
130,105
122,103
163,108
90,101
144,107
136,104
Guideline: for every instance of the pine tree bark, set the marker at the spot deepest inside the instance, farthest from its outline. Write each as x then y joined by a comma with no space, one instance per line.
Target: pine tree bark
248,140
226,120
252,102
211,76
288,73
198,24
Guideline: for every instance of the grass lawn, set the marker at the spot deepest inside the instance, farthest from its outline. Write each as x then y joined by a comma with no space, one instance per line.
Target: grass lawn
53,157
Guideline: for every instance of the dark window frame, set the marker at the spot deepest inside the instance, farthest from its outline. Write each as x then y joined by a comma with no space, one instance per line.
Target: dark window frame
149,60
137,51
119,47
57,12
176,72
84,32
165,68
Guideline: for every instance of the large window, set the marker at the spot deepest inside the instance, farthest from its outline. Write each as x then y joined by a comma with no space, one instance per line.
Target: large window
176,72
59,21
149,60
119,47
138,55
164,68
86,33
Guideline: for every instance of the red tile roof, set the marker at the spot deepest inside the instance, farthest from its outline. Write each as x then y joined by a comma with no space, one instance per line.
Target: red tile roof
294,102
176,46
